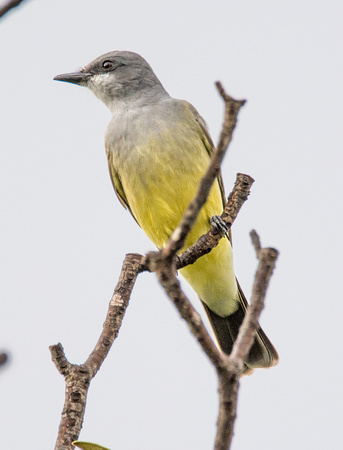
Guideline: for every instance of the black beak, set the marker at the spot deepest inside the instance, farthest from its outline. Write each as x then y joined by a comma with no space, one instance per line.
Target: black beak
80,78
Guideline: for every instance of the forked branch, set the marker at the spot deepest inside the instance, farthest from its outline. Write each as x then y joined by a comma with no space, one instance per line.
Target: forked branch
78,377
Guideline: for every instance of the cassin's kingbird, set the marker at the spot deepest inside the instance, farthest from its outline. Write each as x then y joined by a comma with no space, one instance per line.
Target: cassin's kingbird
158,148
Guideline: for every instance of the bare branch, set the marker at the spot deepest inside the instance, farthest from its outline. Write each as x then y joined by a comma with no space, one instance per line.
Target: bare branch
78,377
7,6
59,359
118,304
232,108
228,395
166,273
177,239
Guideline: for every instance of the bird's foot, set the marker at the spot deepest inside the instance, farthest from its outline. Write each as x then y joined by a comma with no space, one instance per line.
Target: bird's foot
218,223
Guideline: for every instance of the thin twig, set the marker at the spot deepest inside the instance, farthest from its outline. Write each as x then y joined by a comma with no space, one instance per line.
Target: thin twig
232,108
255,239
7,6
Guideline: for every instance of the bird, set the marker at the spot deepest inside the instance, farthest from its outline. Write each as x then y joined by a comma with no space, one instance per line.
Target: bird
158,148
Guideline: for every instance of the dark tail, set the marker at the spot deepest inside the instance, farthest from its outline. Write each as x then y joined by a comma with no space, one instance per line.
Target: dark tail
262,352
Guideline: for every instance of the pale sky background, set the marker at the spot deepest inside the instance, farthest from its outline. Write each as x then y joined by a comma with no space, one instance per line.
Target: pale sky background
64,234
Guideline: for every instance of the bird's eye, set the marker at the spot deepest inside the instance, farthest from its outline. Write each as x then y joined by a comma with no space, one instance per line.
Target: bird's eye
108,65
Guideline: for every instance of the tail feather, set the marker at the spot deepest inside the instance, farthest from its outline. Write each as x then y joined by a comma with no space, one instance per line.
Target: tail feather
262,353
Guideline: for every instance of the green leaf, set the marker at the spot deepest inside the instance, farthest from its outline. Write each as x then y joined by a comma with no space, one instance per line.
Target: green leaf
89,446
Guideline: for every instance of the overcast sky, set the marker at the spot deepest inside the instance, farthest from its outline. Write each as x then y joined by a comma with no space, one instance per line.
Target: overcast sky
64,234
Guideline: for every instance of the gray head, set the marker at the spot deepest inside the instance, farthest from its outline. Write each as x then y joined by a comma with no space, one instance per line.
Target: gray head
119,76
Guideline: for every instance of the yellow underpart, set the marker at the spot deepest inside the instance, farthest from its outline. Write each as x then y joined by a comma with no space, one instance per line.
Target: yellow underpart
158,186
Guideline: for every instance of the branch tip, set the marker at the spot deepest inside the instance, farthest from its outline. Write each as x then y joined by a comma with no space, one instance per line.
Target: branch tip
59,359
7,6
3,358
255,240
226,97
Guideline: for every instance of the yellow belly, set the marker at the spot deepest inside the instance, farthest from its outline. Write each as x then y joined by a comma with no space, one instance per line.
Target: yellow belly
158,191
